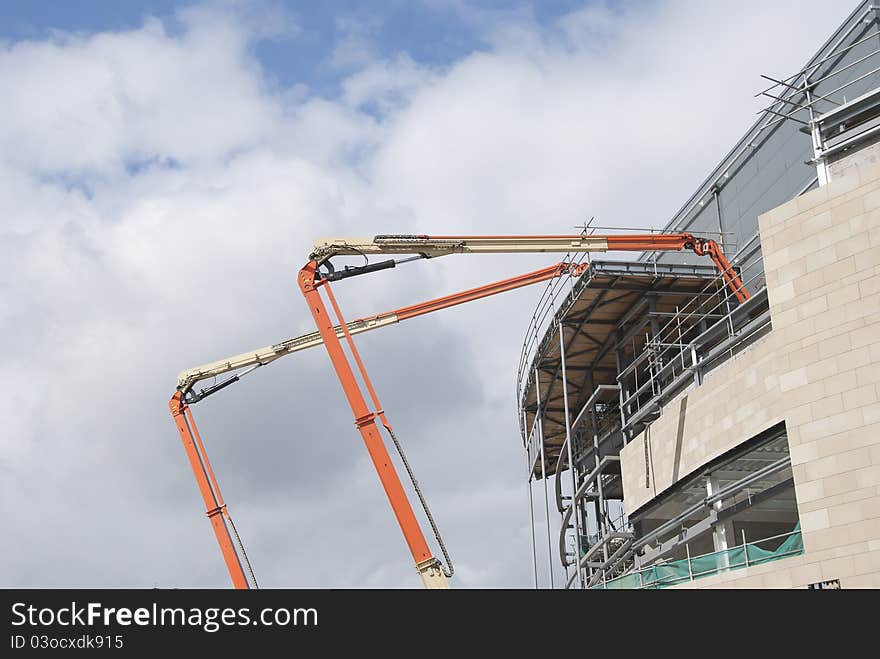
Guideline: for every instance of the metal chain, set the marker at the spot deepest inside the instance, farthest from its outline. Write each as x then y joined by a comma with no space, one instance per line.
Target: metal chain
238,541
451,570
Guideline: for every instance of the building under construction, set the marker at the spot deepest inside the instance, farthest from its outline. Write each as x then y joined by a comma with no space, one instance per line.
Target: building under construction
678,436
687,421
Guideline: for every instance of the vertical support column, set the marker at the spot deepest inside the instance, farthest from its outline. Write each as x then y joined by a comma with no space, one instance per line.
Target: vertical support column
655,338
623,392
540,428
602,506
599,500
571,465
719,530
652,310
816,134
585,529
580,436
695,362
532,529
625,410
597,515
717,197
531,466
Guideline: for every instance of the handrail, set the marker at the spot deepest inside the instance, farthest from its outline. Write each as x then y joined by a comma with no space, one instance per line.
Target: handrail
664,354
582,490
673,579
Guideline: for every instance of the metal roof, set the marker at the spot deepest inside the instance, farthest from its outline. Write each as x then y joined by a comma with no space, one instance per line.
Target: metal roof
610,300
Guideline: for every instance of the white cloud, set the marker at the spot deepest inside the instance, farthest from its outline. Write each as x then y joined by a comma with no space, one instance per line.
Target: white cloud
387,85
95,103
158,196
355,43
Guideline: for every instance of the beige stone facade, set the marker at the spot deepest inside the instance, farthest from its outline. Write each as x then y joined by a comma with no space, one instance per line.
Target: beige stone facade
818,370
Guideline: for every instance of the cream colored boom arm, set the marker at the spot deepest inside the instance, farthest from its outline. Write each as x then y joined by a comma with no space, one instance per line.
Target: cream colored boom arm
262,356
326,248
187,379
425,246
434,246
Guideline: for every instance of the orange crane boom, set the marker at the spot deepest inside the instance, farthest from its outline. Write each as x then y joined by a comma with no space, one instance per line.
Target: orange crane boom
224,529
311,280
210,490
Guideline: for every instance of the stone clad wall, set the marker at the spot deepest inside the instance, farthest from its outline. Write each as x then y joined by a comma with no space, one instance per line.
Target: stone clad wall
818,370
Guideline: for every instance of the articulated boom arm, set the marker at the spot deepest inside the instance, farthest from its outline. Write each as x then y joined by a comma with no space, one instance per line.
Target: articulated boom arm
216,510
187,379
434,246
428,247
221,521
331,334
311,280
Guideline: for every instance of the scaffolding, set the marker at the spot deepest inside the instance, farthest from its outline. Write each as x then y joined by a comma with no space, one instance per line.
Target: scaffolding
602,355
678,349
606,353
816,95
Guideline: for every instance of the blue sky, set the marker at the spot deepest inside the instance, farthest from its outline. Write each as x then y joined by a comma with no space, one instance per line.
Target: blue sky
431,32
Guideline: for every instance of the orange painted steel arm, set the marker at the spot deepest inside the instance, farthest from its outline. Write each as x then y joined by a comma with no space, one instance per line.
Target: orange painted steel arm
262,356
677,242
647,242
365,420
494,288
216,508
192,442
731,277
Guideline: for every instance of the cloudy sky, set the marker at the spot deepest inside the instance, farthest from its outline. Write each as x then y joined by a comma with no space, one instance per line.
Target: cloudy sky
164,167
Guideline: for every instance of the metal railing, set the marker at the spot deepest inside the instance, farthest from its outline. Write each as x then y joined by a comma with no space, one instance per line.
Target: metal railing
588,439
663,575
697,337
555,301
806,97
557,297
796,97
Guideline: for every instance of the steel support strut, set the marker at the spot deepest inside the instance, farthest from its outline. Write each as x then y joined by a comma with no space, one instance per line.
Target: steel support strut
427,565
216,508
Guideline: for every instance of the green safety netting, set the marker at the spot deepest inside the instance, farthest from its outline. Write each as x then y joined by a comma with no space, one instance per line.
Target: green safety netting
668,574
585,545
